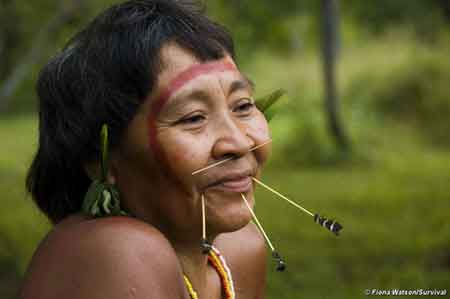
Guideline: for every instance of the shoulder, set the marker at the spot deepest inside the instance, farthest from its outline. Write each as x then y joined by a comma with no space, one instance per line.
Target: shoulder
114,257
246,253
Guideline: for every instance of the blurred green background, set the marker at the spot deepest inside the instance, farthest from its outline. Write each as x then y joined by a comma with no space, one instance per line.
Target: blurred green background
389,187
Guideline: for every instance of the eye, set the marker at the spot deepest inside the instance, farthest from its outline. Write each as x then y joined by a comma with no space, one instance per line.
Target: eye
192,120
244,106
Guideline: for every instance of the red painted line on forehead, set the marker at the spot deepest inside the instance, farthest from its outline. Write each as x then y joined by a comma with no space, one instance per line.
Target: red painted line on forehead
186,76
176,84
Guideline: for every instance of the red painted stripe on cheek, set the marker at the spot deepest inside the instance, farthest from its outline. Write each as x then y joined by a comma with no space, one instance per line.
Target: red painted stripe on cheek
176,84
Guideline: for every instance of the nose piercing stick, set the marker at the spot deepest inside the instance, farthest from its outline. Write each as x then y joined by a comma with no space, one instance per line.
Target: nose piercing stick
329,224
230,158
205,245
281,265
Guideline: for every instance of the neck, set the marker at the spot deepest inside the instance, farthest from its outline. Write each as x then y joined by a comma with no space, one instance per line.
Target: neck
194,264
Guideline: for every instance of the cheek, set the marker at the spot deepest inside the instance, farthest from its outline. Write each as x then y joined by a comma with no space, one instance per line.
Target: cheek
184,153
262,129
183,156
259,128
259,131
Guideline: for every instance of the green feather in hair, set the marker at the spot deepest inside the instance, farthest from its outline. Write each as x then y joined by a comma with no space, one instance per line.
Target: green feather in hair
265,103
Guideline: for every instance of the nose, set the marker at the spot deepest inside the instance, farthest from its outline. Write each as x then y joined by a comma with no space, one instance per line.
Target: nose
232,139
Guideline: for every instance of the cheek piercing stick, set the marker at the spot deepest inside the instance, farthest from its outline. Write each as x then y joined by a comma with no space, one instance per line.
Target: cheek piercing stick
205,245
230,158
281,265
329,224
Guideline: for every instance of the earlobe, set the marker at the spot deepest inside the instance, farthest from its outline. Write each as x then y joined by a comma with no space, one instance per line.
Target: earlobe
111,179
92,170
113,170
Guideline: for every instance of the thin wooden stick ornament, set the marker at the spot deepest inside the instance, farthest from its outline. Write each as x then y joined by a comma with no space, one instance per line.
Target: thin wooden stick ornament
329,224
281,265
230,158
205,245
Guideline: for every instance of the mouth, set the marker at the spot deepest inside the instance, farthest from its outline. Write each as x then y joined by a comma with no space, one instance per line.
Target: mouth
237,182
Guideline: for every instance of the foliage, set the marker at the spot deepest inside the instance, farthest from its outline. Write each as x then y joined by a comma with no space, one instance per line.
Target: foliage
375,78
414,91
424,17
21,225
285,27
257,23
293,25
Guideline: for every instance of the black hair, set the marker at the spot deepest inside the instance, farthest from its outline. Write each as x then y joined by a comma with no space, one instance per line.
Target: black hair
103,75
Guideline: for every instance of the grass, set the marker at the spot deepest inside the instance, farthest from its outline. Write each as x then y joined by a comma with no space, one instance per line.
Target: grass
393,206
395,233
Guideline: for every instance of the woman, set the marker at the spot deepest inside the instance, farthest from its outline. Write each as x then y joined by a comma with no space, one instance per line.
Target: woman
162,76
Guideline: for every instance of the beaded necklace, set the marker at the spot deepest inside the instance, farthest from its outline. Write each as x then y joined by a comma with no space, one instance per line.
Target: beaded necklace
218,262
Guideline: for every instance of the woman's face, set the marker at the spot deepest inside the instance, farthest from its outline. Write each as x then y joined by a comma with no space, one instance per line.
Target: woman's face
198,114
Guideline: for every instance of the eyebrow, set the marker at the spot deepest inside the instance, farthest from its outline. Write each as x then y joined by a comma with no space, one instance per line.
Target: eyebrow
243,83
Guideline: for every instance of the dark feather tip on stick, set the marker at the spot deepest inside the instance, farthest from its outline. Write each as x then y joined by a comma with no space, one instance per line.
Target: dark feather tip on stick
281,265
329,224
206,246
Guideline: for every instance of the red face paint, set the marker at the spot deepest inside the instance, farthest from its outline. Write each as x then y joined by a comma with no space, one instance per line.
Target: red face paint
176,84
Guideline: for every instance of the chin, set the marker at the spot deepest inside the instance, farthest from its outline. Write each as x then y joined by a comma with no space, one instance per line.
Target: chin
231,215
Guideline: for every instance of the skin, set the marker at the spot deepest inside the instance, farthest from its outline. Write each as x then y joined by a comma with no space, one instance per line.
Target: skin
153,172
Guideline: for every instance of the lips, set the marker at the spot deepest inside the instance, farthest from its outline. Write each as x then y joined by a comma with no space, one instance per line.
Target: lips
241,182
237,185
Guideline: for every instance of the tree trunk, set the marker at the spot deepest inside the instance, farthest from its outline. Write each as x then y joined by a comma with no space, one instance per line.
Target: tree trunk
330,49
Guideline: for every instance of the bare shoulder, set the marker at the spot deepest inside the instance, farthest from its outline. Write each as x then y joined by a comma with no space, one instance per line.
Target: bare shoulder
246,253
114,257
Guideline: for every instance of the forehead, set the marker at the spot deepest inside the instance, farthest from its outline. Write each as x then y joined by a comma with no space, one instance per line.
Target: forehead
180,69
176,60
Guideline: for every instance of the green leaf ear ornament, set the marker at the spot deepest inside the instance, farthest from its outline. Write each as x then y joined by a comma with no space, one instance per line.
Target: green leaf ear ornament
265,103
102,198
